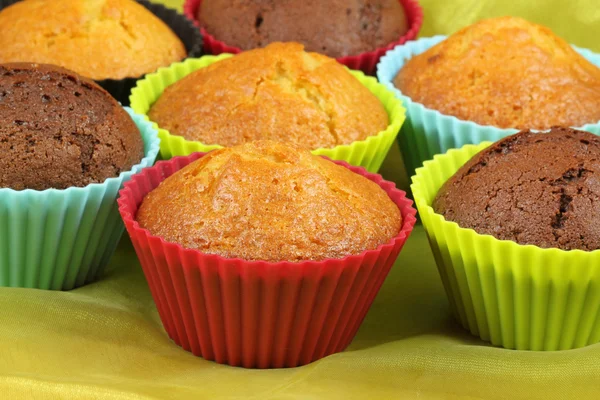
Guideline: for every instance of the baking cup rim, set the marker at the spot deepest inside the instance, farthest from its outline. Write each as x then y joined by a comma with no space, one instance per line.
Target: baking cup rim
397,113
402,203
424,208
145,161
415,26
404,52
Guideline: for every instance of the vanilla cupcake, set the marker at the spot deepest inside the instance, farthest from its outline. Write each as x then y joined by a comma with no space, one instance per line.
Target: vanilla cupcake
488,80
110,41
277,93
298,262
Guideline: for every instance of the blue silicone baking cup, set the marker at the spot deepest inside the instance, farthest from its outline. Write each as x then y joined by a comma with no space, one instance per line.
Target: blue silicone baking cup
427,132
61,239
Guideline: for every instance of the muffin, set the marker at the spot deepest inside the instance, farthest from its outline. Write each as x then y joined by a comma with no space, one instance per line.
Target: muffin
269,278
59,130
517,250
360,25
531,188
505,72
67,148
104,39
307,208
277,93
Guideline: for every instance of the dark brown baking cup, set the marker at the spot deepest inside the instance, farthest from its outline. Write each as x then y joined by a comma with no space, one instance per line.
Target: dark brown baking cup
184,29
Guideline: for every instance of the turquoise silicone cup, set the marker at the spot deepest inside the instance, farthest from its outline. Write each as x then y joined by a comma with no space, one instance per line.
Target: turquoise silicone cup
61,239
516,296
427,132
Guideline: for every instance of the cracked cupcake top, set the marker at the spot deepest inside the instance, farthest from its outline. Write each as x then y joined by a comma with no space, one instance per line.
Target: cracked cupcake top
278,93
505,72
531,188
99,39
336,28
59,130
272,202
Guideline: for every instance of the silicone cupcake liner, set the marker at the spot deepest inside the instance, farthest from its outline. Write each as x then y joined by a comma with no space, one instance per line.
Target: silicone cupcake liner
368,153
428,132
179,24
365,62
516,296
61,239
258,314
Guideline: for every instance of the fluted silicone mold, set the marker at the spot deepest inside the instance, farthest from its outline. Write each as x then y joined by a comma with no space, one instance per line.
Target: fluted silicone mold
365,62
368,153
428,132
180,25
61,239
516,296
258,314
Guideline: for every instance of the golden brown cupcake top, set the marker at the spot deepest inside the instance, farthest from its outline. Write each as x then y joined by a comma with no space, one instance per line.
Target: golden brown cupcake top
99,39
505,72
269,201
278,93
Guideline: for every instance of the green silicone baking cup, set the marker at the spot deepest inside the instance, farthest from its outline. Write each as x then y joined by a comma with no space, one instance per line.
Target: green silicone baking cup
61,239
516,296
368,153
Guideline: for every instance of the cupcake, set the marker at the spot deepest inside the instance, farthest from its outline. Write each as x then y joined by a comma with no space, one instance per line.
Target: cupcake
277,93
514,230
362,32
298,262
111,41
66,148
530,189
488,80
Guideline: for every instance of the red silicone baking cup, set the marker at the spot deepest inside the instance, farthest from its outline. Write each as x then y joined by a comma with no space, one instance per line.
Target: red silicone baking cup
258,314
365,62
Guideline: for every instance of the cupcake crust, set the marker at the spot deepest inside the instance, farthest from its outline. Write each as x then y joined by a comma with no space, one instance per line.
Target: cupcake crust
100,39
360,25
268,201
277,93
508,73
530,188
59,130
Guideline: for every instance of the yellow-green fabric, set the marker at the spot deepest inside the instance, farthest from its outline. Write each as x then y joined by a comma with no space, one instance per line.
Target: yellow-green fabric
105,340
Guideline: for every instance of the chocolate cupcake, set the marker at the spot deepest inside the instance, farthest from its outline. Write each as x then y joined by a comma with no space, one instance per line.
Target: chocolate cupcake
58,130
360,26
363,30
110,41
514,228
67,147
531,188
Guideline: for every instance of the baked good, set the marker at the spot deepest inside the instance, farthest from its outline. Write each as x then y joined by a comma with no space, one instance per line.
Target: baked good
269,201
360,25
505,72
278,93
531,188
59,130
100,39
